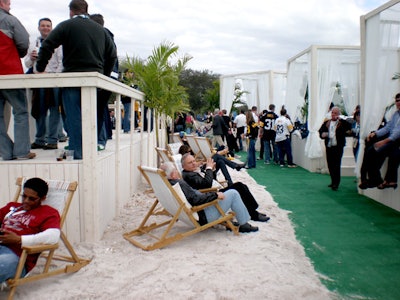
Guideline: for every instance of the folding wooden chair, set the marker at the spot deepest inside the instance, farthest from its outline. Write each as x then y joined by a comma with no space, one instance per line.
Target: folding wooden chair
205,146
191,140
175,138
164,230
164,154
59,196
173,148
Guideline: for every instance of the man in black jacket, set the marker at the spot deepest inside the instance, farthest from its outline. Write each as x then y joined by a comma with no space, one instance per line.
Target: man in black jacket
87,47
229,200
334,133
202,180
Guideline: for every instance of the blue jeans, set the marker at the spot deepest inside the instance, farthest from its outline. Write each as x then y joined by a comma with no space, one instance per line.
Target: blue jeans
232,201
72,108
285,147
21,145
267,150
8,263
126,121
251,154
53,121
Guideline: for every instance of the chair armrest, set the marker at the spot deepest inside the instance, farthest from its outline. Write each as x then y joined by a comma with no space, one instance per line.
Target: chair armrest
203,206
39,248
207,190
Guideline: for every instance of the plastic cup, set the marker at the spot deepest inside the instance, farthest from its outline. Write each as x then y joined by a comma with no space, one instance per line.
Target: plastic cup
59,154
69,154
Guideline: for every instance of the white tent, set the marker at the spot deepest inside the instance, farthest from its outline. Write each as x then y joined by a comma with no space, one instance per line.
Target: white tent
259,89
380,45
326,74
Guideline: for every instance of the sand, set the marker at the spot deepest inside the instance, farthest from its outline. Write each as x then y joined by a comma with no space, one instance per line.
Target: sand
214,264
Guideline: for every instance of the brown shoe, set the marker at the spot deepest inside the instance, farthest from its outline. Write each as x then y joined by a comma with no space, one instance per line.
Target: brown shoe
30,155
50,147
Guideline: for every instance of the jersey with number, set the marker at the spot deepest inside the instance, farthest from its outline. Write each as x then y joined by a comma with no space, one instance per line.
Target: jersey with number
268,122
283,127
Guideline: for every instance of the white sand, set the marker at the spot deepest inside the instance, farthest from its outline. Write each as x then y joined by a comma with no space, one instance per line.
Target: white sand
214,264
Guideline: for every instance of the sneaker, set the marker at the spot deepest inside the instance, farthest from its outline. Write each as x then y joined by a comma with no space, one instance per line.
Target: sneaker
101,147
292,166
3,286
282,166
37,146
267,163
50,147
30,155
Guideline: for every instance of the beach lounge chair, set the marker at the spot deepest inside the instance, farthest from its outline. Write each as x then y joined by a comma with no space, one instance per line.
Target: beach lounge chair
205,147
173,148
157,231
191,140
175,138
59,196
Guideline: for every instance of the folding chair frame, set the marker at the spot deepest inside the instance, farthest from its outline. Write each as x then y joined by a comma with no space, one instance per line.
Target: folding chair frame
167,237
73,262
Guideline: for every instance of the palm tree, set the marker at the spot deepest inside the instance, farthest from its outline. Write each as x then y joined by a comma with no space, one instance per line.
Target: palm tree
158,78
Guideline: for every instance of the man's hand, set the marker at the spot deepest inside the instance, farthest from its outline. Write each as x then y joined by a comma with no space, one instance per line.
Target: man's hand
9,237
221,195
210,163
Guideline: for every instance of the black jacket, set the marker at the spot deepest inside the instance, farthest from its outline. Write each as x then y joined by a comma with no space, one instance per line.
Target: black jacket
343,129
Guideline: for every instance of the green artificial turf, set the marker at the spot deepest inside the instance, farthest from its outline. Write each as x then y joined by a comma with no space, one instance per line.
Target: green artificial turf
352,241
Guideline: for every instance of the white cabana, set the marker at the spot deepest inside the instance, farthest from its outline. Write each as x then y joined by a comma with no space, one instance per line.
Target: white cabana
260,89
322,74
380,45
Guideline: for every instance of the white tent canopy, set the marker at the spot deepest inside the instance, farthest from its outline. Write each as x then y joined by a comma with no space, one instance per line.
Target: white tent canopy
260,89
328,74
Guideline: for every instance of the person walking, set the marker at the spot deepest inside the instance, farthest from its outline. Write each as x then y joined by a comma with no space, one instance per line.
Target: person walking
333,131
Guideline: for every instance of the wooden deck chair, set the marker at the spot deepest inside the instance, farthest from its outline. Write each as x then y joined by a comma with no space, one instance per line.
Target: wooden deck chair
205,146
59,196
164,231
175,138
164,154
191,140
173,148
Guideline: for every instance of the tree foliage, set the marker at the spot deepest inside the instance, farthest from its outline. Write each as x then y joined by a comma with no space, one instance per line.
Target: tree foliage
158,78
201,88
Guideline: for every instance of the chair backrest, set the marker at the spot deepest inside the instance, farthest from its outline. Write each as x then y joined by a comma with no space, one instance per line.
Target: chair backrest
163,154
170,199
193,145
204,146
175,138
173,148
59,195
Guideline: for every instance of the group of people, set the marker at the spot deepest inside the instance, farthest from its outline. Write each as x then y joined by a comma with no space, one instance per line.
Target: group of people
273,131
79,44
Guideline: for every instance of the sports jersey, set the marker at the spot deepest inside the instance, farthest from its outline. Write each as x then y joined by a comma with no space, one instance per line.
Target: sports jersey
283,127
268,122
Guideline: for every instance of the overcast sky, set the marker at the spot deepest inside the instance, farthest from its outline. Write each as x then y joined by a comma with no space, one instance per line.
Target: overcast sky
225,37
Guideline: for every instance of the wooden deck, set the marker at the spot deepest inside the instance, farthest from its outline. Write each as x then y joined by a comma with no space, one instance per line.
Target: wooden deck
106,179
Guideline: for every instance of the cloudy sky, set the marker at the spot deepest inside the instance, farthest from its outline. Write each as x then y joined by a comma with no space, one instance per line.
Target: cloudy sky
225,37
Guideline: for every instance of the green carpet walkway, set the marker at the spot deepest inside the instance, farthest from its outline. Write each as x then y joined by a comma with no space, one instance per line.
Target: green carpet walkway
352,241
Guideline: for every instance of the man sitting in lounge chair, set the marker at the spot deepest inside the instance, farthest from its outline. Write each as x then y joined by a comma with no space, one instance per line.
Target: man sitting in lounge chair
199,179
229,200
26,224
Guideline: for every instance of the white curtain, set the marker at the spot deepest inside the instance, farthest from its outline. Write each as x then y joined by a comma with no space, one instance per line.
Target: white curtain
297,80
227,89
279,91
381,62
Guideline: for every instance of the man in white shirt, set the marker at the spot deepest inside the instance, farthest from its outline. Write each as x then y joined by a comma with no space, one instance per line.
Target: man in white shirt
45,99
283,127
240,123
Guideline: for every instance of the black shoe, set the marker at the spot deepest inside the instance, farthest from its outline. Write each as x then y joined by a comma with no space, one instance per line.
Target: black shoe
37,146
50,147
334,188
247,228
363,185
239,167
261,218
330,185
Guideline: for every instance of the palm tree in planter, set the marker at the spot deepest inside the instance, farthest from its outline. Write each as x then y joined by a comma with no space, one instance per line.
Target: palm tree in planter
158,78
